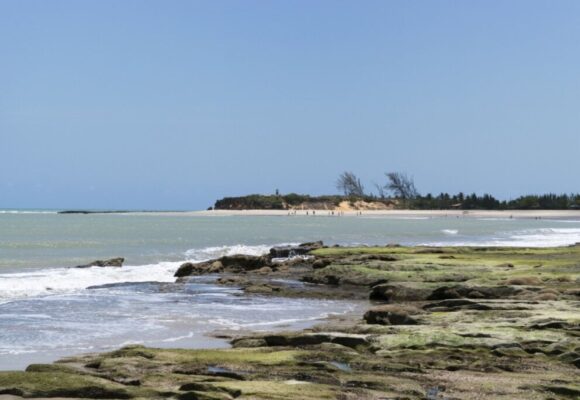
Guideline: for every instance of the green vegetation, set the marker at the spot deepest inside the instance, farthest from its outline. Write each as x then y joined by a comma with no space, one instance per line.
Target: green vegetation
285,202
404,196
58,384
445,201
431,267
448,322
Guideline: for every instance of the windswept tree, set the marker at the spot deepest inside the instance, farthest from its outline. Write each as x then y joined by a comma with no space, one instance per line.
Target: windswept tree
401,185
380,190
350,185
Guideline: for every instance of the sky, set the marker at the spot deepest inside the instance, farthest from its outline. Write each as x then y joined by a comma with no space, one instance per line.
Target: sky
141,104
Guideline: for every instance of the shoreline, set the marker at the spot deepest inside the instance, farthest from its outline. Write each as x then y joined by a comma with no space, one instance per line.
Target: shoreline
393,213
455,321
503,214
217,339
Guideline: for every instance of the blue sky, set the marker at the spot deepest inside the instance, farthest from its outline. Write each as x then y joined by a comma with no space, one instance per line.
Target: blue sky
172,104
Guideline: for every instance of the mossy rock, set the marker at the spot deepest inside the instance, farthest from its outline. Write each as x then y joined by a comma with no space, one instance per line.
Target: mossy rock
60,384
273,390
391,315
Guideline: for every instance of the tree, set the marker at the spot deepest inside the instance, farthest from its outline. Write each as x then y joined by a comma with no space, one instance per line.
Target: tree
401,185
380,190
350,185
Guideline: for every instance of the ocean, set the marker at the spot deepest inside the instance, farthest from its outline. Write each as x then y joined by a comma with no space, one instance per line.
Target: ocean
49,310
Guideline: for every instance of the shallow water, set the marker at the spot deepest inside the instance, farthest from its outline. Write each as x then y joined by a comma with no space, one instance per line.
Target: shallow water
52,240
42,329
47,310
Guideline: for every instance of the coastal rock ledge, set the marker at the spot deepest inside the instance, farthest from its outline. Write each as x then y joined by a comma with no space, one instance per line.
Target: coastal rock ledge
459,324
111,262
240,263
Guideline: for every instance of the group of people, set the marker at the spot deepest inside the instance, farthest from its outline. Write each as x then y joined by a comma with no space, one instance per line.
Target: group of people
332,213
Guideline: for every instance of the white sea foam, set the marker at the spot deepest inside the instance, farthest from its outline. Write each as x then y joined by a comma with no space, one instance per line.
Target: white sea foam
236,325
220,251
70,280
18,351
450,231
547,237
178,338
542,237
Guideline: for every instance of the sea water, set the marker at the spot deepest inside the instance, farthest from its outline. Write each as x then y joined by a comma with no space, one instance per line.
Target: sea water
49,310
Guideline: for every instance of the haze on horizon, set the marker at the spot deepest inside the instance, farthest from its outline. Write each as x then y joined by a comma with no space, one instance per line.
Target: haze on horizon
171,105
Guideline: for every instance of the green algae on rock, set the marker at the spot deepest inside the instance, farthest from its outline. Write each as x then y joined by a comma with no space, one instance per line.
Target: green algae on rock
450,322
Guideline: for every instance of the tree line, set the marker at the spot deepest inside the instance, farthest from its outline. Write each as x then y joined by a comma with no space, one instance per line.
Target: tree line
401,187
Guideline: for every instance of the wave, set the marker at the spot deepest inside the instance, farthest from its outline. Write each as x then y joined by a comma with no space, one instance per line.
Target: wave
209,253
541,237
547,237
450,231
69,280
178,338
236,325
54,281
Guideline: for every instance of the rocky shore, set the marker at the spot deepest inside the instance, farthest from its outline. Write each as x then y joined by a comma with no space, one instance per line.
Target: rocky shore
442,323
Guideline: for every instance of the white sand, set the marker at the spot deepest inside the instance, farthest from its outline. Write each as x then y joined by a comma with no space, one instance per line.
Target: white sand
529,214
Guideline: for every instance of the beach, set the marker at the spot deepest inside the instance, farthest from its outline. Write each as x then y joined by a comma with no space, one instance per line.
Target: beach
51,310
518,214
274,200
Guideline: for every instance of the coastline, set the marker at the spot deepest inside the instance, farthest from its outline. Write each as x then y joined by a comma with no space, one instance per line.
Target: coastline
503,214
391,213
455,322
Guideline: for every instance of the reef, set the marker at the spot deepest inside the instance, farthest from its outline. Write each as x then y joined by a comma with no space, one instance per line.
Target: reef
441,323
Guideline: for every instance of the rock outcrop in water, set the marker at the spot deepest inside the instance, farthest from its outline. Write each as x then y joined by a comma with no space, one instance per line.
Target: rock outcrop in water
442,325
234,264
292,251
241,263
111,262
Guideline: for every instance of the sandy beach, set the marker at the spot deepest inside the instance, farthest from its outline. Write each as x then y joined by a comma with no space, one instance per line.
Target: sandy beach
518,214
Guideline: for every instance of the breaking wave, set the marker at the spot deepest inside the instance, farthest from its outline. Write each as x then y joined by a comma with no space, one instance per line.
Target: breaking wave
542,237
70,280
209,253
